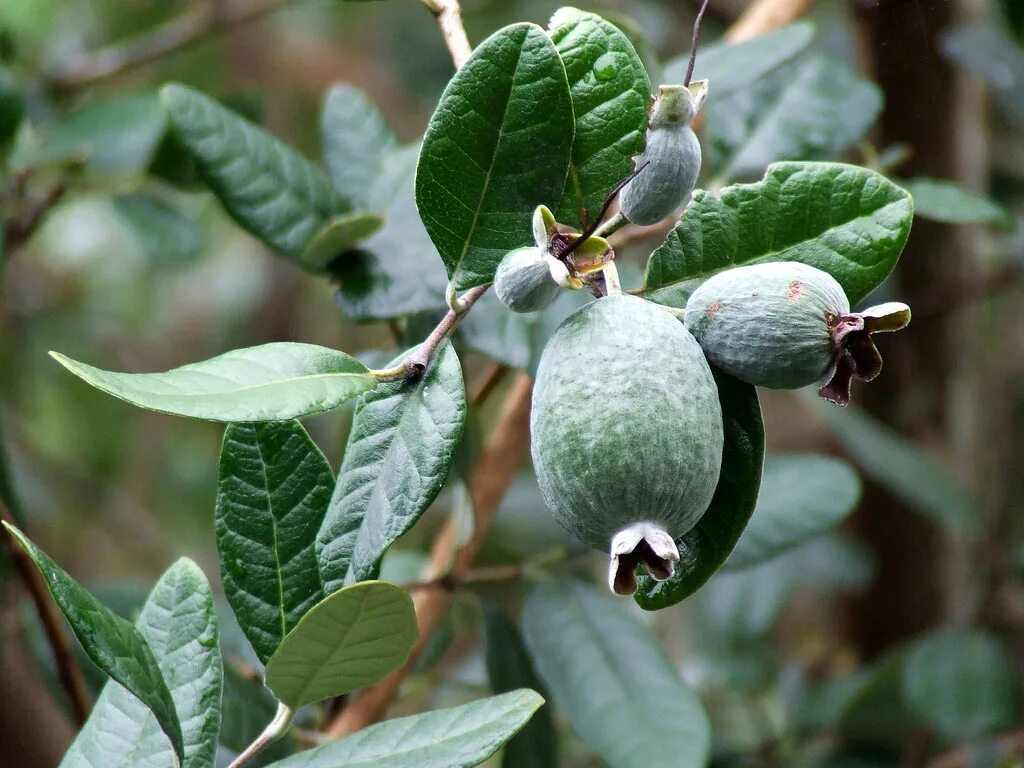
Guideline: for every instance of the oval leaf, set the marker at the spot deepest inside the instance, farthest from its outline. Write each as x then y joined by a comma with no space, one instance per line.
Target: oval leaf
730,67
348,640
338,237
400,449
270,382
623,697
844,220
509,668
809,110
272,494
801,497
944,201
113,645
458,737
497,146
266,186
703,550
179,623
355,139
961,684
610,92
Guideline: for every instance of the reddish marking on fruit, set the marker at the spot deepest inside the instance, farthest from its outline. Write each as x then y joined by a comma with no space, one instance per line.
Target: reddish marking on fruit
713,309
795,288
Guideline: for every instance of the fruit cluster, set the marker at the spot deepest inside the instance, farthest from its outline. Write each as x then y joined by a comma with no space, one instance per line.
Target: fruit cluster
626,426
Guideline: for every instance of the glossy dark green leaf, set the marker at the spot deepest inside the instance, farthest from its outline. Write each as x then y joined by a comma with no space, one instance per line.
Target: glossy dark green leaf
458,737
730,67
179,623
811,109
509,668
610,93
114,137
960,683
705,548
356,139
606,672
273,491
166,233
497,146
396,271
845,220
271,382
266,186
945,201
12,109
400,450
350,639
113,644
801,497
903,468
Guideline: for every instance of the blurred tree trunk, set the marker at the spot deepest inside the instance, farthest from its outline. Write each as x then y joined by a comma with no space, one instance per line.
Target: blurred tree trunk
909,593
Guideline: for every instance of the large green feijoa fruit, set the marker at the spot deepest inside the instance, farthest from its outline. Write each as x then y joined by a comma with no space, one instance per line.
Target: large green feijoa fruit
626,433
785,325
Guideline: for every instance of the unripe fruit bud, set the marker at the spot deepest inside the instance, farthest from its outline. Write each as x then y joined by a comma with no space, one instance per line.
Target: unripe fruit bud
786,325
626,433
528,280
672,156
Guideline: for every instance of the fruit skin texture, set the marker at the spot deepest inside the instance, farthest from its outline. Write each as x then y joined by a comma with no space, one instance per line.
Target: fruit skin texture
523,280
768,324
626,424
672,156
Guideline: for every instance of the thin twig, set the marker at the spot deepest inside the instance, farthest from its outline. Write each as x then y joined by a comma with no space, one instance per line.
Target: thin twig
67,668
205,19
694,37
449,18
501,457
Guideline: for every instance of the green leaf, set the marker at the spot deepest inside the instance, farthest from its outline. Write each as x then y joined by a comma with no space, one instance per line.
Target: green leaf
703,550
458,737
610,92
802,496
945,201
397,271
875,711
113,644
272,494
271,382
844,220
266,186
988,51
339,236
497,146
509,668
903,468
165,232
400,450
247,709
809,110
114,137
355,139
179,623
960,683
605,671
730,67
348,640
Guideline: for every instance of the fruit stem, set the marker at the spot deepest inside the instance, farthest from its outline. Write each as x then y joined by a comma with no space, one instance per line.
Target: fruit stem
614,224
274,731
612,286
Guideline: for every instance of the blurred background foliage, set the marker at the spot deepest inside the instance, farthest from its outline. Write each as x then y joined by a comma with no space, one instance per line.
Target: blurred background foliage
806,652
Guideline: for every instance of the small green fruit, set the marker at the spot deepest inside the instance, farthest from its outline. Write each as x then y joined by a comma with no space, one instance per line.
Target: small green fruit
526,279
626,433
786,325
672,156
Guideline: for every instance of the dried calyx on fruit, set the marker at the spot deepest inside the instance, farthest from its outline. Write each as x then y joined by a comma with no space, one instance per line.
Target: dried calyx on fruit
672,155
528,279
626,433
786,325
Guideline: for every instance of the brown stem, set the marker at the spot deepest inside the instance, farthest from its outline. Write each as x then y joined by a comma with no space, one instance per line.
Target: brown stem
205,19
494,376
20,229
449,19
763,16
67,668
500,459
